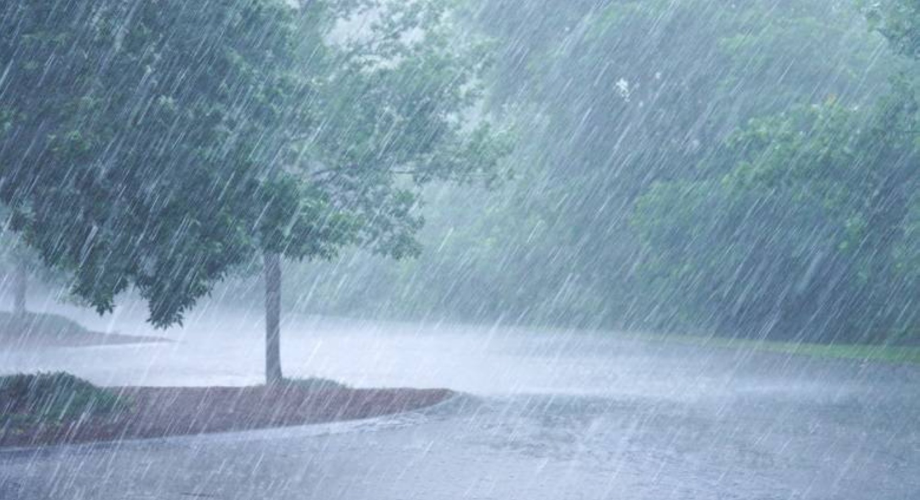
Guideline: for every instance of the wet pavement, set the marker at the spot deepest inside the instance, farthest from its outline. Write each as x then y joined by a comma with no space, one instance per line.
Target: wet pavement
545,415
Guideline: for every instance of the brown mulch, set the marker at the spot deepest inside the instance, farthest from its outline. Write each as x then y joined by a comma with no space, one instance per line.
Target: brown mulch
159,412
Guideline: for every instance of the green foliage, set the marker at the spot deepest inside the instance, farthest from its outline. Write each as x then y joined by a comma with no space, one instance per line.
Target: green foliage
313,384
797,225
119,133
682,164
163,145
14,253
392,119
634,93
898,21
53,397
802,224
613,97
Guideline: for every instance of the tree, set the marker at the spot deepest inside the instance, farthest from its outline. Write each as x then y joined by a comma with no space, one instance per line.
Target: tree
796,227
802,224
125,118
17,261
22,267
388,118
691,71
162,145
899,22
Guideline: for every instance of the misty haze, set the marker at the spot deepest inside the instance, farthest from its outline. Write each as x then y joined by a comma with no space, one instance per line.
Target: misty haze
459,249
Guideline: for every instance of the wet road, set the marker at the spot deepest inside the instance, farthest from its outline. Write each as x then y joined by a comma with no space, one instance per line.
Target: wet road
546,415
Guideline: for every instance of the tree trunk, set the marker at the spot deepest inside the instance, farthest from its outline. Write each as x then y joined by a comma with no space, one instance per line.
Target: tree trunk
20,287
272,318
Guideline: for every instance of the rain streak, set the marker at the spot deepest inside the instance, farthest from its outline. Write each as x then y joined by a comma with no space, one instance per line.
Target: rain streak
459,249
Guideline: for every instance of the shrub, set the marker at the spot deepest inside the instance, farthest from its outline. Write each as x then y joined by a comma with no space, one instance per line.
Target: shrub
53,397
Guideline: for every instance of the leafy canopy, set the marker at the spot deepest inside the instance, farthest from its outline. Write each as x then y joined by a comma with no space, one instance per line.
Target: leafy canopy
162,145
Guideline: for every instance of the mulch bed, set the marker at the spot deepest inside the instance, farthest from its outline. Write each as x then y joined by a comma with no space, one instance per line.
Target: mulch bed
159,412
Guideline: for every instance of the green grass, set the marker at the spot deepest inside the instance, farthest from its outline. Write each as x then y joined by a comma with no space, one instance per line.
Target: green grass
53,398
888,353
314,384
34,323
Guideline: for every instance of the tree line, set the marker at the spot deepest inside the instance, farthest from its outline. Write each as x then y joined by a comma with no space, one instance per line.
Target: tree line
744,168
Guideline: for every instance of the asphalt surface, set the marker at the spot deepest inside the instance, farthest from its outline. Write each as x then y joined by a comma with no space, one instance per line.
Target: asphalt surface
544,415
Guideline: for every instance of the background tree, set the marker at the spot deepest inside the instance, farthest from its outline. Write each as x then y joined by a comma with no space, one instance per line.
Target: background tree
898,21
794,229
387,119
19,263
812,213
616,95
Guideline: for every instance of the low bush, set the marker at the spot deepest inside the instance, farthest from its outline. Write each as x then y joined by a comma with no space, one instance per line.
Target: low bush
53,397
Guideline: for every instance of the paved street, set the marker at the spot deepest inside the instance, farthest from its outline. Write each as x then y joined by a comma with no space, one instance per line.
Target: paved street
544,415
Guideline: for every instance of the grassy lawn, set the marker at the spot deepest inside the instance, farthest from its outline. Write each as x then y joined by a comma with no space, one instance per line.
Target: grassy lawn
39,324
38,330
889,353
